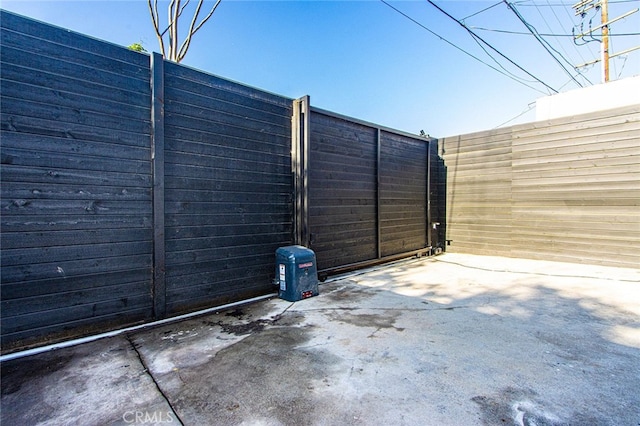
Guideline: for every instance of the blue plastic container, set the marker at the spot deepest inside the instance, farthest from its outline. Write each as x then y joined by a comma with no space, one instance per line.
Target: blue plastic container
296,273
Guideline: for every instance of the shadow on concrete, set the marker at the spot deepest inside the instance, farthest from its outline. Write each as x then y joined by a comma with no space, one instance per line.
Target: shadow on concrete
449,340
569,335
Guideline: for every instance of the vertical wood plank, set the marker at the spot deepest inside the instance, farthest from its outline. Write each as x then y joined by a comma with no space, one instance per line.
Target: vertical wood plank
295,169
157,161
429,190
306,135
300,166
378,195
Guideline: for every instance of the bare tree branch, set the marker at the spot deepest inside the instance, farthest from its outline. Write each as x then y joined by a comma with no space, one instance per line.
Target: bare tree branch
155,21
173,32
174,12
193,28
215,6
183,6
187,40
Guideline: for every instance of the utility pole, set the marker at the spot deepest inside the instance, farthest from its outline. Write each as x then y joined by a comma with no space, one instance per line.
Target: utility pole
604,46
581,8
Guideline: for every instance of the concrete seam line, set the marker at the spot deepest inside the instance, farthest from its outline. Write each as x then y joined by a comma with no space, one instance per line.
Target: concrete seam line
134,328
146,370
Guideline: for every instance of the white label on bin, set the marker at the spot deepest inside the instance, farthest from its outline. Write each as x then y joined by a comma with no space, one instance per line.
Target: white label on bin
305,265
283,280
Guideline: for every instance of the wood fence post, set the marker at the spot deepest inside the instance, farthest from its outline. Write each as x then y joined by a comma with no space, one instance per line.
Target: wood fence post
157,167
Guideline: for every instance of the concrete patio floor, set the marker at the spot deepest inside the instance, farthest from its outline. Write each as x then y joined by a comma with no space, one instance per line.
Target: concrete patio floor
449,340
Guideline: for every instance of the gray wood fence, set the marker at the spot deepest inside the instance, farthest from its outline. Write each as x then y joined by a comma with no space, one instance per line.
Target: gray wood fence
566,189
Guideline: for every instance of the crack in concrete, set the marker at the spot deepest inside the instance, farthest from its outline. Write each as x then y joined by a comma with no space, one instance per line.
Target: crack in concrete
153,379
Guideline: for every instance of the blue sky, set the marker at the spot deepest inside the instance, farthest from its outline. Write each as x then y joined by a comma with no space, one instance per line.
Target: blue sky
365,59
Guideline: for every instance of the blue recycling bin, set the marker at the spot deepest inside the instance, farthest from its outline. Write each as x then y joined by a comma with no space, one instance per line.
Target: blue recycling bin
296,273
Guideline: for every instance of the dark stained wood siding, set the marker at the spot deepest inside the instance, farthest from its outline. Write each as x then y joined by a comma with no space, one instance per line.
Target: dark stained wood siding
437,196
77,187
342,191
75,201
367,191
566,189
403,193
95,235
228,195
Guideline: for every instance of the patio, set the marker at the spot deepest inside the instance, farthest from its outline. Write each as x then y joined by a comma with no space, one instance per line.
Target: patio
453,339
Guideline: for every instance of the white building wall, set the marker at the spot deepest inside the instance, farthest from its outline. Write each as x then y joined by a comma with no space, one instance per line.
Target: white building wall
599,97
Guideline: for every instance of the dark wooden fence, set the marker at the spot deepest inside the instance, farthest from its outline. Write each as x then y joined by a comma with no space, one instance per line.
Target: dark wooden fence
125,201
135,189
76,183
368,192
227,188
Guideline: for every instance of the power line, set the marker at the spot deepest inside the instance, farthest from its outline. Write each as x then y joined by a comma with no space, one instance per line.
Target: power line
605,29
498,63
553,11
524,3
615,69
496,30
483,10
461,49
623,64
491,47
483,48
575,46
561,26
542,42
529,108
